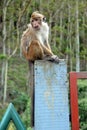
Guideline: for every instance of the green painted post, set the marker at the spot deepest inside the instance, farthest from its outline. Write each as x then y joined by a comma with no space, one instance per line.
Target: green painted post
11,114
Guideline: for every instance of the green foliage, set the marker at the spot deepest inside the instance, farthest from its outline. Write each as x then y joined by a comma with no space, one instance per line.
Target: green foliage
2,56
55,50
17,74
82,88
83,53
26,115
17,88
20,101
11,126
2,110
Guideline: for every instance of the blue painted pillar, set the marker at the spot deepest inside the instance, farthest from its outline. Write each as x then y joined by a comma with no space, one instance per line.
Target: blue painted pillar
51,96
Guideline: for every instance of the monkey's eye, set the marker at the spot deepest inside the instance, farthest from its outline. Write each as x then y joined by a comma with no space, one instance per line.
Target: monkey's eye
32,21
44,19
36,19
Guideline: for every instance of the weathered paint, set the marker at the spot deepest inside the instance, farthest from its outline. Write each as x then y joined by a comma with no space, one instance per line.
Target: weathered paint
51,96
74,76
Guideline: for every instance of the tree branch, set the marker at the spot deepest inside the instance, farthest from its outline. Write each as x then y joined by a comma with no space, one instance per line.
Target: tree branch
22,12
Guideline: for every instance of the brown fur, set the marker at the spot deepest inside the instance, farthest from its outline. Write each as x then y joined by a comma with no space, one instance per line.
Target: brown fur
34,42
35,51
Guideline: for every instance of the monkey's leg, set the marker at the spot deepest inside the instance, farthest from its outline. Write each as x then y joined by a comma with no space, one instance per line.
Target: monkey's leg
35,51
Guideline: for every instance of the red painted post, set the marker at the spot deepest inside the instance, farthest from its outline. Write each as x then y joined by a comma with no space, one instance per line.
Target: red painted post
74,101
82,75
74,76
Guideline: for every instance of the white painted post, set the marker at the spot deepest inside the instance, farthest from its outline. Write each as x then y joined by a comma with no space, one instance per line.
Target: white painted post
51,96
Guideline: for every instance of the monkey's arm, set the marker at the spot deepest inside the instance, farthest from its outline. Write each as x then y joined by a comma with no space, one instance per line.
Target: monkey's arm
47,51
48,46
26,39
46,43
49,54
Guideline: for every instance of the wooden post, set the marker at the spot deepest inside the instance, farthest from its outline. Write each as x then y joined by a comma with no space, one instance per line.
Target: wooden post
74,101
74,76
31,90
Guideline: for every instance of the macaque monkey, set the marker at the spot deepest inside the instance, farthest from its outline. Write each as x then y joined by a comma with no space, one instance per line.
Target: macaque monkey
34,40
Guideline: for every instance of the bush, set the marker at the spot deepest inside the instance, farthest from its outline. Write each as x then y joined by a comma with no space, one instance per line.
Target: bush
82,92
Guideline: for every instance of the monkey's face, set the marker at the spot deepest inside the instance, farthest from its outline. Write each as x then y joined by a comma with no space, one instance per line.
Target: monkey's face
36,23
37,20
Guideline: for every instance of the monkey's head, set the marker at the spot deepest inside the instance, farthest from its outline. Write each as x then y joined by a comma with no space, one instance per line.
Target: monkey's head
37,20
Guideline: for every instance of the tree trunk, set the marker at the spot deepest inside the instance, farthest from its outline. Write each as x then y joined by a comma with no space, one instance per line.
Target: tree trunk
4,42
69,36
5,62
61,32
77,39
5,85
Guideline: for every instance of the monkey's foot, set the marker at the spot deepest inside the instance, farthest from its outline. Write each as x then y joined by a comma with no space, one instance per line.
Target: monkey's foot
54,58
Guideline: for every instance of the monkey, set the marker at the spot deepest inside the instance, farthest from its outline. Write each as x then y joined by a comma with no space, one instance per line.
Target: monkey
34,41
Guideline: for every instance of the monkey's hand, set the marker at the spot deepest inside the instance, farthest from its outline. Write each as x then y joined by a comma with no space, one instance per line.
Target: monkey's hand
54,58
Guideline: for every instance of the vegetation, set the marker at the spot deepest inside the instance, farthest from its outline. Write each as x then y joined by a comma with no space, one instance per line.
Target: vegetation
67,20
82,88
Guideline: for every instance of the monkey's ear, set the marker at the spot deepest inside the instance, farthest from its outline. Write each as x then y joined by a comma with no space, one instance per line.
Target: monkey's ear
44,19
